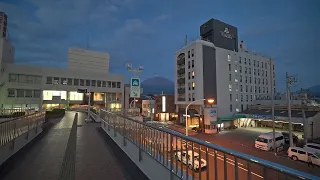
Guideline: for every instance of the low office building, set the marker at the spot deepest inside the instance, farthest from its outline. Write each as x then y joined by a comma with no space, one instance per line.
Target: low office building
218,67
261,116
24,86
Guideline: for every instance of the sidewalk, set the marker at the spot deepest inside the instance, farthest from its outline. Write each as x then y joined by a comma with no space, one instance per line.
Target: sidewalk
72,150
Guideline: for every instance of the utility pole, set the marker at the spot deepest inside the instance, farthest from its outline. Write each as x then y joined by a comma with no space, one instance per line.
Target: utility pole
290,80
272,109
135,71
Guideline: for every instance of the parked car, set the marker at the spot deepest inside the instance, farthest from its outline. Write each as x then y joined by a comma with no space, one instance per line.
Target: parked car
302,154
286,137
312,147
198,163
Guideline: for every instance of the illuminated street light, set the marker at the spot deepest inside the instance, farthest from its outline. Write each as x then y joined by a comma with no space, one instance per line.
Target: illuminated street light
210,101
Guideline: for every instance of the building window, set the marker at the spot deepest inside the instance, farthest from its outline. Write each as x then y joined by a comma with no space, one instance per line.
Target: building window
11,93
262,72
254,63
93,83
250,79
192,74
266,81
109,84
188,54
230,77
189,96
189,75
241,107
250,88
114,84
258,80
249,62
263,90
258,63
81,82
56,80
251,98
193,85
13,77
245,70
230,97
192,52
193,97
69,81
88,82
255,80
273,67
230,107
241,98
246,79
240,60
192,63
104,84
246,88
263,81
22,78
64,81
37,80
240,69
230,87
36,93
240,78
28,93
29,79
262,64
76,82
98,83
247,98
245,60
259,89
188,64
189,86
249,70
229,57
229,67
255,89
20,92
118,84
240,88
258,72
49,80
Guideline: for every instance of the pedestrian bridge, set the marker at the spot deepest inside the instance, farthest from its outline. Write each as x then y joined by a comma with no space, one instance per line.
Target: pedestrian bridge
118,147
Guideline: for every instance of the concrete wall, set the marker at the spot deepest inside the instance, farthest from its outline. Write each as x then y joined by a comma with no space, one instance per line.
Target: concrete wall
12,147
148,165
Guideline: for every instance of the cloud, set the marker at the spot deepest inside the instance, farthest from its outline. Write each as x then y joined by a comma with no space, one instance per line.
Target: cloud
163,17
42,31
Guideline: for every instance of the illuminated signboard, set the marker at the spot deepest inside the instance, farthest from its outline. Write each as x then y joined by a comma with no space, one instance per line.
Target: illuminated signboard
256,116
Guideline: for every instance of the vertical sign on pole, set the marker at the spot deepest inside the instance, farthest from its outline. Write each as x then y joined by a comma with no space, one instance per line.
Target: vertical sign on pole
135,88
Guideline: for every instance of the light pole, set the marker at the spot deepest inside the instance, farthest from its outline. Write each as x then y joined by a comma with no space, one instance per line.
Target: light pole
210,101
272,110
89,104
56,83
290,80
135,71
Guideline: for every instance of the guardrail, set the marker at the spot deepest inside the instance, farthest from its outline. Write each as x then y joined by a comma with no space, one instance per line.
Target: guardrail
174,151
14,128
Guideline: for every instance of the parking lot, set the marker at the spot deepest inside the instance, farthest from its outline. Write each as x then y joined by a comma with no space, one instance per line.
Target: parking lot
243,140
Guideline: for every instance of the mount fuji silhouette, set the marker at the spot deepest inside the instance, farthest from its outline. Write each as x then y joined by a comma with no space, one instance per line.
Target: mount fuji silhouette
157,85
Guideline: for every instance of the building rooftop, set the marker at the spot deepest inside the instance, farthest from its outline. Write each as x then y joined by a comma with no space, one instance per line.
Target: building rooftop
280,113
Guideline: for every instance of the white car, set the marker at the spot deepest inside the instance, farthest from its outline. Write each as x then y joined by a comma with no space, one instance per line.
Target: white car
302,154
312,147
183,157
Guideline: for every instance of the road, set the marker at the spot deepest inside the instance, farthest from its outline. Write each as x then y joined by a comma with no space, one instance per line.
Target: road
242,140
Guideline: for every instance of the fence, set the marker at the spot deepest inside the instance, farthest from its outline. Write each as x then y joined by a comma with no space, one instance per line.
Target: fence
14,128
200,159
12,113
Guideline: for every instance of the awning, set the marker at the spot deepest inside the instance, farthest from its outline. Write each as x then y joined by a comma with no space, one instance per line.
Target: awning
231,118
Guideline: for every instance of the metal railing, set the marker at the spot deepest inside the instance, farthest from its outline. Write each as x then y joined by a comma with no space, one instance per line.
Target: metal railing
12,113
175,151
14,128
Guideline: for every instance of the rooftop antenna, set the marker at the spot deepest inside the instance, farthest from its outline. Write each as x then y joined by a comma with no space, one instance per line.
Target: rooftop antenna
186,40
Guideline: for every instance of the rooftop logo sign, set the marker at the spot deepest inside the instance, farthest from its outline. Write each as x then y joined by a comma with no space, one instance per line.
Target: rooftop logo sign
226,33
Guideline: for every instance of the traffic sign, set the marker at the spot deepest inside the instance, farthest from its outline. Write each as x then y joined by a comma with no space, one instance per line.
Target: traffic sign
135,88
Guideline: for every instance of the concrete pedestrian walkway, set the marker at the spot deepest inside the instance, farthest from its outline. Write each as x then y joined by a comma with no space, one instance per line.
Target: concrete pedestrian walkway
71,149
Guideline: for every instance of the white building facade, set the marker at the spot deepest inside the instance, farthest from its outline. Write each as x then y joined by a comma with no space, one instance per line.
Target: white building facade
218,67
24,86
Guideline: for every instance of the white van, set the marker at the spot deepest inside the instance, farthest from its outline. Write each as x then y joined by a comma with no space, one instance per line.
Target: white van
264,141
312,147
302,154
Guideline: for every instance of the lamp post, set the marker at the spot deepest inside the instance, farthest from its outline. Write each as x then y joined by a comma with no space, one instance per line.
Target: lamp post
134,100
135,71
210,101
56,83
290,80
89,104
272,109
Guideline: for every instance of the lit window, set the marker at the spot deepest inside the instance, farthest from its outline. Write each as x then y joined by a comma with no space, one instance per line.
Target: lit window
237,110
235,70
229,57
192,74
236,80
193,84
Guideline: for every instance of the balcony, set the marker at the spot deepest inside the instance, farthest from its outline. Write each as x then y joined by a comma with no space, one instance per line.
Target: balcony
181,90
181,62
181,71
181,81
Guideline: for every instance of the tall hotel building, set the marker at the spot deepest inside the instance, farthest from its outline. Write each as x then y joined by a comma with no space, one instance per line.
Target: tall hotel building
219,67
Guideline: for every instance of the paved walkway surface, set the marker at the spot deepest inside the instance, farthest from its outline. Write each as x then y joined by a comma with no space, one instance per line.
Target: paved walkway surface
71,150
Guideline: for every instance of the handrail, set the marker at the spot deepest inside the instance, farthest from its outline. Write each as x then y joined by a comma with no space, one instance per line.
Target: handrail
17,118
238,155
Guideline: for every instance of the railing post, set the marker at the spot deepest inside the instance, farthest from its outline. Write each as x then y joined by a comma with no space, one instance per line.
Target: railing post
124,132
140,142
171,157
28,129
14,134
114,126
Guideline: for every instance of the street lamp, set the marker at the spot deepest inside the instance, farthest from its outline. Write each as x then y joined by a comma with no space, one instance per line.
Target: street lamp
56,83
135,100
210,101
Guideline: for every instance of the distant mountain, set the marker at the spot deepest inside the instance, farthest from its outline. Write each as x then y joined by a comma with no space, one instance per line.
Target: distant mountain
157,85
